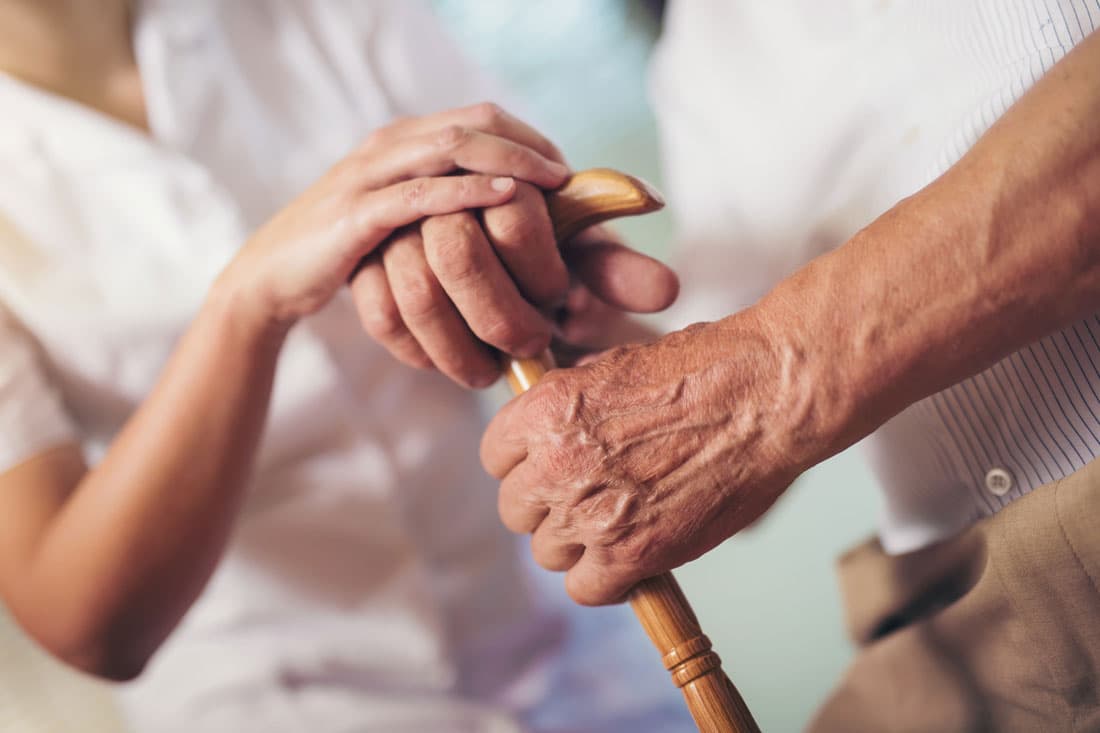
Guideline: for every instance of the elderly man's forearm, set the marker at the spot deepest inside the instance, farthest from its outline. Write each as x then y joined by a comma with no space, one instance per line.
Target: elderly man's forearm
1001,250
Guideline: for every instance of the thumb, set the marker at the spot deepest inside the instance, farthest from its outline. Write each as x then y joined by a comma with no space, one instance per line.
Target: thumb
618,275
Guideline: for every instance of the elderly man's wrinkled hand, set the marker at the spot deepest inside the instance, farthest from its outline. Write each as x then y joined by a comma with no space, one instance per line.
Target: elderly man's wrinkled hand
645,459
449,291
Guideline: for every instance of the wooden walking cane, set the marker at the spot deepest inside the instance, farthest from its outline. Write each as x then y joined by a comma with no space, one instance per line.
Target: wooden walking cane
588,198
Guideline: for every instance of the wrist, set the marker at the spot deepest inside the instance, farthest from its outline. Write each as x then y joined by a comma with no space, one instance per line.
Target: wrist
243,314
809,394
862,323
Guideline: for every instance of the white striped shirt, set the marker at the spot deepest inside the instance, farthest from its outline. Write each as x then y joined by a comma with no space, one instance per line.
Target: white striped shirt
789,125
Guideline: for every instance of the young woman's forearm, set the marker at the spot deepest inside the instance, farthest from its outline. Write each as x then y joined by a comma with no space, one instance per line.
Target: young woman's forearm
1002,250
99,566
133,545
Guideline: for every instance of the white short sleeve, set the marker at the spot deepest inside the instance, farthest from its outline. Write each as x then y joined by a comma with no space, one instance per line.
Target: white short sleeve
423,68
32,417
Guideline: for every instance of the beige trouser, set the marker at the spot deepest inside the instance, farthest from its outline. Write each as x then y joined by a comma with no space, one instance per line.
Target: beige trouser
997,629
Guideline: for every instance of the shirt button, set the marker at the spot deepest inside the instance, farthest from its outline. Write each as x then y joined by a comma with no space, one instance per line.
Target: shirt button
998,481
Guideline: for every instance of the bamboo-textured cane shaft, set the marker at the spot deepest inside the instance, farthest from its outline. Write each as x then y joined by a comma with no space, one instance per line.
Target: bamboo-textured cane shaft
588,198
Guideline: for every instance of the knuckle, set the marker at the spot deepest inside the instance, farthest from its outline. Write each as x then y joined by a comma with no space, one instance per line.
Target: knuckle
632,550
383,322
414,192
466,187
488,114
463,229
694,328
452,249
511,226
518,158
420,298
350,209
553,393
550,403
501,332
452,137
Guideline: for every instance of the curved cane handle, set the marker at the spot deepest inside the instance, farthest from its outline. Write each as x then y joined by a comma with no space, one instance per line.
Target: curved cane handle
588,198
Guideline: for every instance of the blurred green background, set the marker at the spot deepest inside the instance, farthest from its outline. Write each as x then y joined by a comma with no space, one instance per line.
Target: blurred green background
767,598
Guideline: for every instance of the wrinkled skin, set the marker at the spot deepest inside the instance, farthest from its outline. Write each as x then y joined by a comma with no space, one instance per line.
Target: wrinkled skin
448,291
438,296
295,263
443,266
649,456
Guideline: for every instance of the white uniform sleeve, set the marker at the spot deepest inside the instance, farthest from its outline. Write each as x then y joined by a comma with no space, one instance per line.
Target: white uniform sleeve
422,67
32,417
700,86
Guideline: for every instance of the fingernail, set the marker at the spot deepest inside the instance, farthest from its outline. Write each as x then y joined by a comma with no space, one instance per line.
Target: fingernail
501,184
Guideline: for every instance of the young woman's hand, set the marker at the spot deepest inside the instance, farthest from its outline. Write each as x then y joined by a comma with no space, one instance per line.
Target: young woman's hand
404,172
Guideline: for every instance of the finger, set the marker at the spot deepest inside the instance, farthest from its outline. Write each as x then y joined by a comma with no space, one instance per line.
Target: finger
377,213
380,317
518,502
553,549
590,582
486,116
521,233
431,318
451,148
480,287
503,447
620,276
